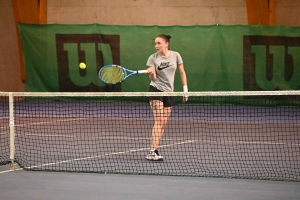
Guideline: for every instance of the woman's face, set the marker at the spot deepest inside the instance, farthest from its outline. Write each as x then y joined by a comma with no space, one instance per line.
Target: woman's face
161,45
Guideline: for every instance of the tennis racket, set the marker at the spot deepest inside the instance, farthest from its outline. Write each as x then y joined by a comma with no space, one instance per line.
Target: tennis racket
112,74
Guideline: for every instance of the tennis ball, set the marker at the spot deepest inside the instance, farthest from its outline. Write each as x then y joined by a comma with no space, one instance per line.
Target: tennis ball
82,65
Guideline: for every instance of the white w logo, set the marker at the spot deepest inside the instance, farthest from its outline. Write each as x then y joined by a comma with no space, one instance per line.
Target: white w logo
91,75
272,68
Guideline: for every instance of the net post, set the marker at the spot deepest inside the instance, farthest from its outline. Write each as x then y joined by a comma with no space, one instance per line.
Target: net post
11,130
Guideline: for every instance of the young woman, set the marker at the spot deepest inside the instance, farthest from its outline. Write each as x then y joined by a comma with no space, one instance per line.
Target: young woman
162,66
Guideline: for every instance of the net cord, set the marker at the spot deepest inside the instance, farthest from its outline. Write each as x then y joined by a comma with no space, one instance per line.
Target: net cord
146,94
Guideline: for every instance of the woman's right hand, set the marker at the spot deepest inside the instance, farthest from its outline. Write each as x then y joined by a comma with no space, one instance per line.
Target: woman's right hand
152,73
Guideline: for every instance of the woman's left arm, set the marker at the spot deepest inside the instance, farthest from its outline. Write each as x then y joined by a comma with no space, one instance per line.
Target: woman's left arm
182,74
183,80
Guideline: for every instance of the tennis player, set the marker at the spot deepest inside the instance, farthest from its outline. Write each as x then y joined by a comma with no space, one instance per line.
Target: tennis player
162,66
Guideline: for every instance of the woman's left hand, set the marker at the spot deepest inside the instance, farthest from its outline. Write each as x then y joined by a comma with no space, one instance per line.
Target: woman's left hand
185,99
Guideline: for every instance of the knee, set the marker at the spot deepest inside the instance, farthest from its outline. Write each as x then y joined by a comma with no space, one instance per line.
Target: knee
161,123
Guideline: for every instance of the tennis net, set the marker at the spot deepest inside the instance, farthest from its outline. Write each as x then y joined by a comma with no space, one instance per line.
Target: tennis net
215,134
4,130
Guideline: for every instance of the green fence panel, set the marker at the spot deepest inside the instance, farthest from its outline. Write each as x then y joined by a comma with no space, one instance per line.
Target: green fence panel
216,57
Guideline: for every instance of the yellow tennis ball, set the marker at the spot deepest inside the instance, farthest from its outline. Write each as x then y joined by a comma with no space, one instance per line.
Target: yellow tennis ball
82,65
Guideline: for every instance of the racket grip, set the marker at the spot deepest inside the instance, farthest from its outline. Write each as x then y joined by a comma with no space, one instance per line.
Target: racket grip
142,71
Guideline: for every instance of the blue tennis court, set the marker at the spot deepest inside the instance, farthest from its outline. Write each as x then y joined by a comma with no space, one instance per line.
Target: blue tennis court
229,146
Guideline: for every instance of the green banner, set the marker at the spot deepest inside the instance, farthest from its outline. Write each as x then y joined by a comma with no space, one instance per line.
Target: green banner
216,58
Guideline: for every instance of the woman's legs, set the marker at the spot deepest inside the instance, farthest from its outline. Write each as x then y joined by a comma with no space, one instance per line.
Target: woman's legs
161,115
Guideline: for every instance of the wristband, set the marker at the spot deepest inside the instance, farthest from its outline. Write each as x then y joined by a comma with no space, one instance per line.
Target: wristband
185,89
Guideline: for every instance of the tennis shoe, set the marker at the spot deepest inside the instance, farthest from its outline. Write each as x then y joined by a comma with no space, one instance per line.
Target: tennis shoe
154,156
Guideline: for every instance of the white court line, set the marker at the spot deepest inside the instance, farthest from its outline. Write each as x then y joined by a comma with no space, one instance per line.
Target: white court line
245,142
97,137
11,170
142,149
52,122
99,156
48,122
136,150
166,139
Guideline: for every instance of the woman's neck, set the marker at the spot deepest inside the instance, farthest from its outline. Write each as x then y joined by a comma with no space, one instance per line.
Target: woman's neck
165,53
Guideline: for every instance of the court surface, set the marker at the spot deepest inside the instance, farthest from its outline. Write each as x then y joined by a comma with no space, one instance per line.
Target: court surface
205,141
28,185
108,141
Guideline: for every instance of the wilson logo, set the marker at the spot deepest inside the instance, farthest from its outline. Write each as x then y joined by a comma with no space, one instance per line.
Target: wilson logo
271,63
96,50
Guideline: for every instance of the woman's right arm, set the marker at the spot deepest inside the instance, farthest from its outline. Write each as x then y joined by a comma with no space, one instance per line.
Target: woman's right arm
152,73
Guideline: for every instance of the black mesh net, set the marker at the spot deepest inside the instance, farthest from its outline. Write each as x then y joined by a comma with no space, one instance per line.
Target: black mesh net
213,136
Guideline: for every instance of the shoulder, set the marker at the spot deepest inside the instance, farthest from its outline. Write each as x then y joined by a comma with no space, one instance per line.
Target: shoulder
175,53
155,55
152,59
176,56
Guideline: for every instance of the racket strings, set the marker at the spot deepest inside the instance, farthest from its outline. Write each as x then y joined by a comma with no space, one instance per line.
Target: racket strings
112,74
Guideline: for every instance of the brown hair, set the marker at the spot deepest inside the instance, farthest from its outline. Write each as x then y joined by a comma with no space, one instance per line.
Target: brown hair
165,37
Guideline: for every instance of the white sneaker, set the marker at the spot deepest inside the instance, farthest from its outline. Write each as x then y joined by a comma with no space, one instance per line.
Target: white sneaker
154,156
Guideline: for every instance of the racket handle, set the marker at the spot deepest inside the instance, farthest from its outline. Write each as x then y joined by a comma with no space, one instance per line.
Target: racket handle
142,71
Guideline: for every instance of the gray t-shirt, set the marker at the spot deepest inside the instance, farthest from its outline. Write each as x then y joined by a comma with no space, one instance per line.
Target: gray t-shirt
165,70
